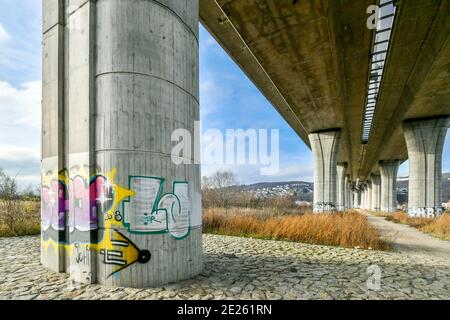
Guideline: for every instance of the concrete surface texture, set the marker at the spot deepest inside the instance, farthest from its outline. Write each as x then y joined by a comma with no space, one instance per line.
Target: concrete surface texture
376,193
119,78
425,139
324,148
311,60
341,191
369,196
389,171
242,268
348,199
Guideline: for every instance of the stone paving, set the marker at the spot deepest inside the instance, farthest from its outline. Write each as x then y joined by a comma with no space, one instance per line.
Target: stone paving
241,268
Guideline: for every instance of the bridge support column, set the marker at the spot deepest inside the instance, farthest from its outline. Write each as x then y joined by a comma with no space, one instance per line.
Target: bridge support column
355,198
324,146
369,196
119,78
388,170
341,186
348,202
363,196
425,140
376,193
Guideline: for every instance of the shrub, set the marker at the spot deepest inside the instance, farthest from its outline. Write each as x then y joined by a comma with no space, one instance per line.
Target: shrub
18,216
342,229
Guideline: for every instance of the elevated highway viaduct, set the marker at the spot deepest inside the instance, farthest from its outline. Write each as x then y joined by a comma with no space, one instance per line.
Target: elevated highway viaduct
363,99
119,77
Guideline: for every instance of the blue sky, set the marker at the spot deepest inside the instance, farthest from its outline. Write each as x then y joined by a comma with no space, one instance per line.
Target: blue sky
228,100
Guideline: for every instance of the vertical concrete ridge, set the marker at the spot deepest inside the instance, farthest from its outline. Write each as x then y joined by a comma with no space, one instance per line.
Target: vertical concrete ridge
341,186
53,127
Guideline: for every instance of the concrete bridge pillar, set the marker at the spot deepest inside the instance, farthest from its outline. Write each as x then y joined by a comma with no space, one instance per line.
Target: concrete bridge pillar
360,198
352,198
376,193
119,78
348,202
388,170
369,196
363,196
425,140
355,198
341,186
324,146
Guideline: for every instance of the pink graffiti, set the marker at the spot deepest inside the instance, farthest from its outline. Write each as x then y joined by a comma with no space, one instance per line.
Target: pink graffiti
83,202
53,206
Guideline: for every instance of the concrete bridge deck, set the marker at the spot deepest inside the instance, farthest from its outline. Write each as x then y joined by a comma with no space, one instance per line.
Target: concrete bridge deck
311,59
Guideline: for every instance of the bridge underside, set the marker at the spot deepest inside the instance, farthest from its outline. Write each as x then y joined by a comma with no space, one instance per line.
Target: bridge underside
311,60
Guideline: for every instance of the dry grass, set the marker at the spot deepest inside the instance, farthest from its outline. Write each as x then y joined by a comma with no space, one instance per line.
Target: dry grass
19,218
345,229
439,227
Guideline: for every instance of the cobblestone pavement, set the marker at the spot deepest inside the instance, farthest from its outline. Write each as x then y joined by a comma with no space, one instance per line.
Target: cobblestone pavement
240,268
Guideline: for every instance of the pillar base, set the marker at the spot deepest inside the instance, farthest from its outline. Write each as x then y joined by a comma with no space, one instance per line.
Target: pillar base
324,208
430,212
425,142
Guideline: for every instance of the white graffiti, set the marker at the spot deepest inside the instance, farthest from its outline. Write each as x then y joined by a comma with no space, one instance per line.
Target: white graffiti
425,212
151,211
323,207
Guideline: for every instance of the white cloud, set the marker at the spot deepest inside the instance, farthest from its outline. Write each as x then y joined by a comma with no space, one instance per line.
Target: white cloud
21,106
4,35
20,122
22,163
14,154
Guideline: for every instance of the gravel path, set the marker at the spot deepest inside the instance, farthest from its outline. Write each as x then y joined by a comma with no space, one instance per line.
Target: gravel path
409,240
240,268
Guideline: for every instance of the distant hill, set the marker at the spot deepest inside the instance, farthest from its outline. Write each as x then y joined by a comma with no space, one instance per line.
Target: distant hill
304,191
402,189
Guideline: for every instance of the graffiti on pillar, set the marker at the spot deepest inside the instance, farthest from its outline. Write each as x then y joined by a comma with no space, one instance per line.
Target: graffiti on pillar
76,203
53,201
122,253
151,211
102,197
323,207
425,212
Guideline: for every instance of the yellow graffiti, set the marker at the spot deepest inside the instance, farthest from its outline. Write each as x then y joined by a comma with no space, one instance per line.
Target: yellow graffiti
125,251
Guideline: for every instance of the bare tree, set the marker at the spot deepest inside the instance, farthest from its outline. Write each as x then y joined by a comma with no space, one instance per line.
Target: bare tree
8,186
220,189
